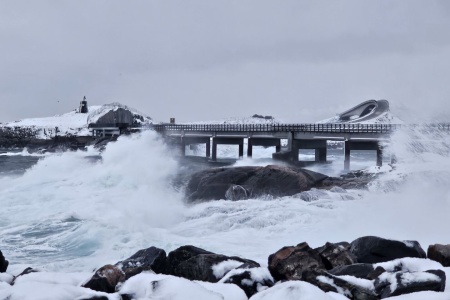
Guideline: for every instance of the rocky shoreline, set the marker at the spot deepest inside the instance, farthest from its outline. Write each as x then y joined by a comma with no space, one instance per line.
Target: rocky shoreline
367,268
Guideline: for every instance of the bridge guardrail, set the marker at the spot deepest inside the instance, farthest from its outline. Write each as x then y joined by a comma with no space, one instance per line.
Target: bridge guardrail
324,128
316,128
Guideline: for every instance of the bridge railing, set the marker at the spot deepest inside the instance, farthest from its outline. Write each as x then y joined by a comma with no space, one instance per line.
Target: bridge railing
323,128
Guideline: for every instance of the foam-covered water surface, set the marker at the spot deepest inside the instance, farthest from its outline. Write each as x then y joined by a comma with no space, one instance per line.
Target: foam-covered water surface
70,213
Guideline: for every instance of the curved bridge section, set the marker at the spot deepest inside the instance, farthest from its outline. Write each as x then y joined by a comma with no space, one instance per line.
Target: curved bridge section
364,112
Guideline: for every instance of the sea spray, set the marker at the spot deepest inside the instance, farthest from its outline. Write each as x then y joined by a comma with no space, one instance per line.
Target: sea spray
412,201
67,207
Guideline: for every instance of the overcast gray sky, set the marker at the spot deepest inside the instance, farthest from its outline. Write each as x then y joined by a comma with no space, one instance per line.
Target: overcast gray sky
299,61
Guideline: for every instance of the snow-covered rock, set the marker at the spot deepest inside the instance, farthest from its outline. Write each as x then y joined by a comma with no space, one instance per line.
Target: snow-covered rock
292,290
148,285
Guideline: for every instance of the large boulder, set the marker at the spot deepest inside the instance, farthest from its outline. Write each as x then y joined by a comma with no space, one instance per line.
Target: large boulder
253,181
336,254
439,253
182,254
372,249
209,267
289,263
108,277
105,279
144,260
399,283
3,263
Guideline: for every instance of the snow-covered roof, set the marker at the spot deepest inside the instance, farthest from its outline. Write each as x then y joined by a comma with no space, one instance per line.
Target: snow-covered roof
95,115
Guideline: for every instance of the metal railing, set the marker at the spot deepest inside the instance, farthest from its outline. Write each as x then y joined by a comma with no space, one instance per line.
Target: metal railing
316,128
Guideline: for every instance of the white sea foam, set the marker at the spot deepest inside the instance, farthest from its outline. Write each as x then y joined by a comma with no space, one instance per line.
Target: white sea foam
24,152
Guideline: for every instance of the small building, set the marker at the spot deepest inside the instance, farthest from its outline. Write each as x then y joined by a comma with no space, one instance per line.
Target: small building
83,106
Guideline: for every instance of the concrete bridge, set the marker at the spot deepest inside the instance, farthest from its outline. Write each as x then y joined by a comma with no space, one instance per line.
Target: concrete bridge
298,136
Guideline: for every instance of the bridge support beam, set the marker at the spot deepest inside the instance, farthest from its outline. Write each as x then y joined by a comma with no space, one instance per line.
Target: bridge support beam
380,156
265,142
347,155
362,145
227,141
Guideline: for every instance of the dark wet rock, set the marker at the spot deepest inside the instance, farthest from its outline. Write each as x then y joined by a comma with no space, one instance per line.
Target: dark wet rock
182,254
249,280
356,270
201,267
105,279
336,254
289,263
3,263
277,181
144,260
372,249
400,283
439,253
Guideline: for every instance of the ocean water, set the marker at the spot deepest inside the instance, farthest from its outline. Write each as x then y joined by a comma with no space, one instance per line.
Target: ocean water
73,212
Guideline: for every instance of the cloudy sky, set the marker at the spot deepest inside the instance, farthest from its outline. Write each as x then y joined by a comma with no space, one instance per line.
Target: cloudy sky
299,61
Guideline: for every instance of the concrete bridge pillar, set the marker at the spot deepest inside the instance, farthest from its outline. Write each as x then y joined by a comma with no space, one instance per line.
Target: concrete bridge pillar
214,149
183,146
347,155
380,156
321,154
250,147
208,148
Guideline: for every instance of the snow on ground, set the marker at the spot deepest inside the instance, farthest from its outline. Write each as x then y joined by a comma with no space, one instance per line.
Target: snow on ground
71,123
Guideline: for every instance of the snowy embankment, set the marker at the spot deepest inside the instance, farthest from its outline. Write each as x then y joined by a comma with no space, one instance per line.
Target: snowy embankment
68,124
71,124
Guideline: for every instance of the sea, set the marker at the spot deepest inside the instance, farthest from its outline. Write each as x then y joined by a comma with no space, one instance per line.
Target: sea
77,211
